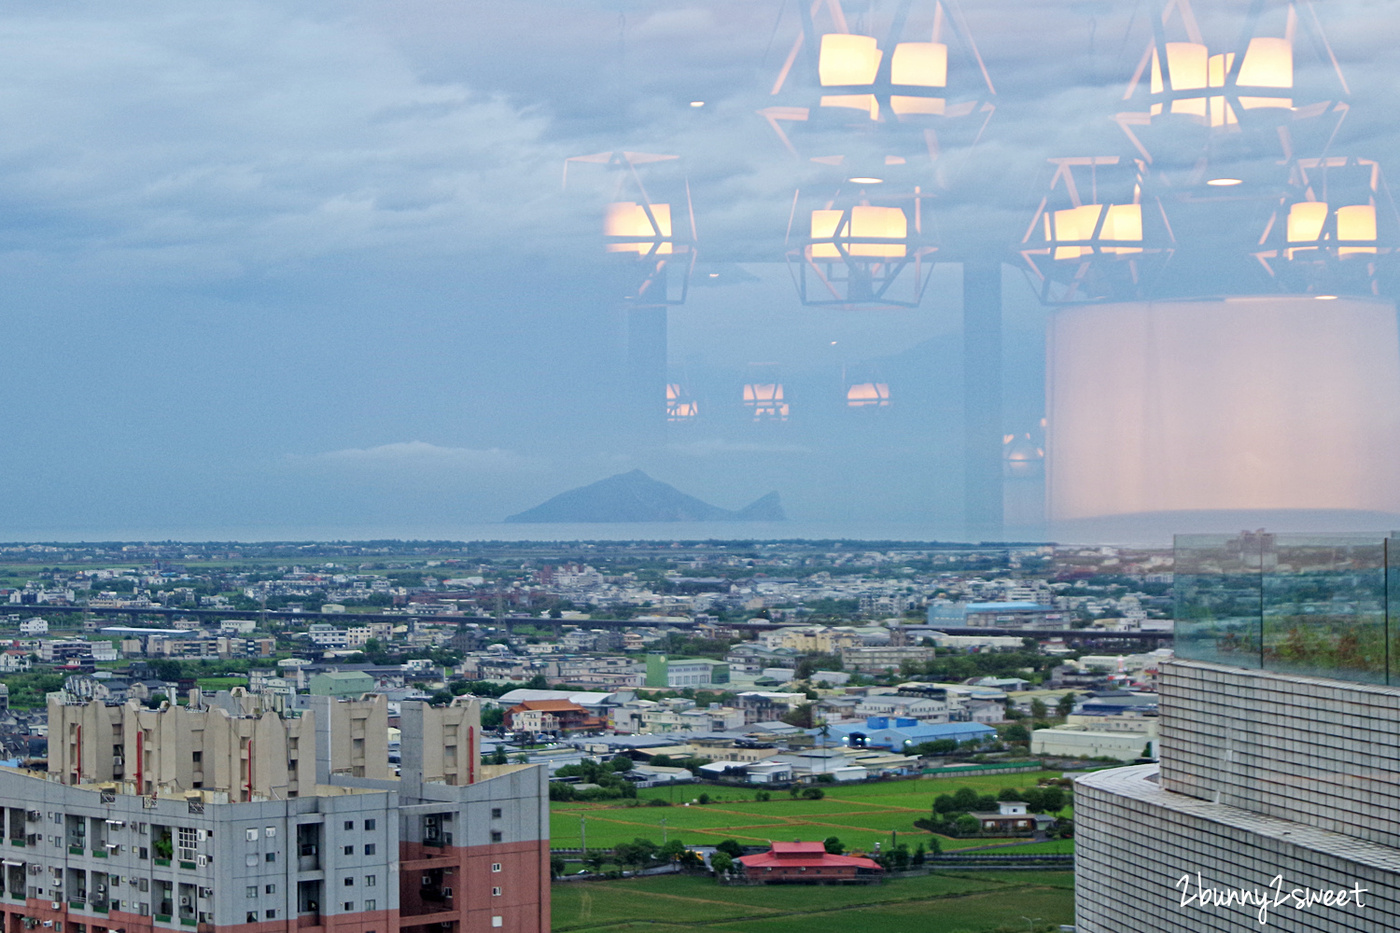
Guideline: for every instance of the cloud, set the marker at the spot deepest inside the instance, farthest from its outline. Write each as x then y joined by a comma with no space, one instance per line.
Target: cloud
420,455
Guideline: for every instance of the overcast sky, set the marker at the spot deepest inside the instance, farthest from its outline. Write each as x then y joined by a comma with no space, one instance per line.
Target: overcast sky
281,265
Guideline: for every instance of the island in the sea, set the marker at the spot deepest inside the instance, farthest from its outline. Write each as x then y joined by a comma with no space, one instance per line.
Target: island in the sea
636,497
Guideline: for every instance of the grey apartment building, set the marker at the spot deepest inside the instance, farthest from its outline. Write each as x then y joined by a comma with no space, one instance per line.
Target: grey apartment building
227,817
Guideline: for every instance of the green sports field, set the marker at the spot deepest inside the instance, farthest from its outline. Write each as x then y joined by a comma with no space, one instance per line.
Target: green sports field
970,902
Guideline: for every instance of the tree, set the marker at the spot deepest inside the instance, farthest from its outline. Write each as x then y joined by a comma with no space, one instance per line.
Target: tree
1054,799
802,716
556,866
986,803
1038,709
1035,800
813,793
945,804
833,845
721,862
919,855
966,799
1066,705
731,848
498,757
967,825
661,761
1017,734
703,799
621,763
1010,793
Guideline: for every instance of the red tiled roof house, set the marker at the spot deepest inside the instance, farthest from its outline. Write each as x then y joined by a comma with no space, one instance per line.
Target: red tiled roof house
807,863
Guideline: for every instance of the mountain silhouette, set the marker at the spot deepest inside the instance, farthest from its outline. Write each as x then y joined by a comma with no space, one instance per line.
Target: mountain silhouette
636,497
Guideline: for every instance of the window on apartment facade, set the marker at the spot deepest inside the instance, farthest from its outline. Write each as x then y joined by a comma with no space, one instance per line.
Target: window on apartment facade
349,906
349,850
495,866
495,892
369,825
188,841
250,891
370,905
371,880
495,835
370,849
349,824
495,813
349,882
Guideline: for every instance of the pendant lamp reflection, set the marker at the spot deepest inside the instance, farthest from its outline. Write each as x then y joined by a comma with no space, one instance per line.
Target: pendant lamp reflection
648,227
1095,235
878,77
1332,229
764,396
1193,90
863,252
680,406
867,396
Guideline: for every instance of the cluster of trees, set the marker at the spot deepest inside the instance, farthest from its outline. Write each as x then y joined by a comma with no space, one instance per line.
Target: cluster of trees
951,814
899,858
636,855
958,667
690,763
940,747
611,784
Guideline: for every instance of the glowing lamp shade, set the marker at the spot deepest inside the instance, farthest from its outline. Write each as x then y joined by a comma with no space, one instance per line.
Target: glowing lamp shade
868,395
1121,222
1356,223
1306,220
1074,224
1307,228
1278,402
765,400
868,232
920,64
1268,63
847,60
632,231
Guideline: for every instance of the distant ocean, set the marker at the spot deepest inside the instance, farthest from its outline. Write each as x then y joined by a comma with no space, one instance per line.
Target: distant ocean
501,531
1154,530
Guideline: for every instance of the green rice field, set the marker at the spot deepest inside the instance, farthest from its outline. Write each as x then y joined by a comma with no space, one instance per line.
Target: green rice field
859,815
980,902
